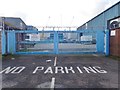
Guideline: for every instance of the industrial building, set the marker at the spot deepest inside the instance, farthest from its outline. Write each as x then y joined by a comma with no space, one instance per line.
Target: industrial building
100,22
107,20
13,23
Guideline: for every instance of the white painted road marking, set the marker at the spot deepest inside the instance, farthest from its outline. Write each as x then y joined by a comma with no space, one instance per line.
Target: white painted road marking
38,68
13,70
53,79
48,60
52,84
55,61
56,69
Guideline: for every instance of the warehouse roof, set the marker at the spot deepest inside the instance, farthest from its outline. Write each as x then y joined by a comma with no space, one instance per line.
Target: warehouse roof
14,22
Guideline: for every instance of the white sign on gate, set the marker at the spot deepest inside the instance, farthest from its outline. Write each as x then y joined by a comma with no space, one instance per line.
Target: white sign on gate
113,33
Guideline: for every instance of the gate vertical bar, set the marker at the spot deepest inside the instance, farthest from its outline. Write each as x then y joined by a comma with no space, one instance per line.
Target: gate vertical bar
107,52
100,41
3,42
56,42
11,42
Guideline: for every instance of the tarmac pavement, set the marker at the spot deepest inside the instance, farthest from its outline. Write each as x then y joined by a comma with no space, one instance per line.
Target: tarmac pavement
61,71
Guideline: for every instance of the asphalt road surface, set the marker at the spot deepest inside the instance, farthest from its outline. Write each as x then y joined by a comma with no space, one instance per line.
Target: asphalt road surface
62,71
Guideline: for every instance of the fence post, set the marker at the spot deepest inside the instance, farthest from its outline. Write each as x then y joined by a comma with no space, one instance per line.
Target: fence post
11,42
3,41
56,42
100,41
107,45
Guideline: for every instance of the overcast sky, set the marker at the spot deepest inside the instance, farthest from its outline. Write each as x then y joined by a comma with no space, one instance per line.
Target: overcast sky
54,12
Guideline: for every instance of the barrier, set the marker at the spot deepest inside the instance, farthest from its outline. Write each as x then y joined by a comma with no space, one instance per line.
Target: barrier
55,42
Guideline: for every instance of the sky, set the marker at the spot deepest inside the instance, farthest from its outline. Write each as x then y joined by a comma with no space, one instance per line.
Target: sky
54,12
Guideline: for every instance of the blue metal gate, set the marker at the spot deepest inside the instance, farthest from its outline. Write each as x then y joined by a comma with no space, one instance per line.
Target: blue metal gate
56,42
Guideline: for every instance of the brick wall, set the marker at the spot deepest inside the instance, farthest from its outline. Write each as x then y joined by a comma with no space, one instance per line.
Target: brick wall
115,44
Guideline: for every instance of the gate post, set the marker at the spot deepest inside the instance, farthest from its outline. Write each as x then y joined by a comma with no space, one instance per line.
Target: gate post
3,41
100,41
11,42
107,41
56,42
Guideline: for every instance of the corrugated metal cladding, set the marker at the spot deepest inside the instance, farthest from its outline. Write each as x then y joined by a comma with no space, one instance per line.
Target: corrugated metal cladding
13,23
119,9
100,22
